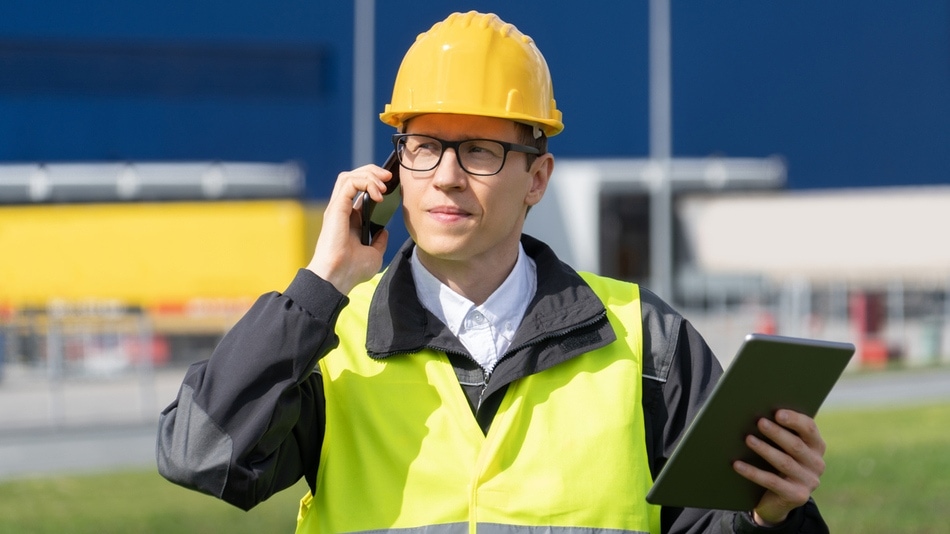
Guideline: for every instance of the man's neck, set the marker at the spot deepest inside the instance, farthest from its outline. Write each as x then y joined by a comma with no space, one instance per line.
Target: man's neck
474,280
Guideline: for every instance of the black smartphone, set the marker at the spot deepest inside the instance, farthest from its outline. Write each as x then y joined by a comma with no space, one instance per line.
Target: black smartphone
375,216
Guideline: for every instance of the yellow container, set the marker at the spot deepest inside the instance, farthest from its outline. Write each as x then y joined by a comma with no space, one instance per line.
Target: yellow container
150,254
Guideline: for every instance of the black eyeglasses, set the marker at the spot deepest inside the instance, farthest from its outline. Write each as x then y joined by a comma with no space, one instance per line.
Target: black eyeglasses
479,157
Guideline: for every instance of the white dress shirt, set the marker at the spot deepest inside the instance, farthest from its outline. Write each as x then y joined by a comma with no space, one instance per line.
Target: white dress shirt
485,330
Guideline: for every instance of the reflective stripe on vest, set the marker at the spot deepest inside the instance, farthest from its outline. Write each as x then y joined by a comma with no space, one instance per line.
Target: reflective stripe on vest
489,528
403,452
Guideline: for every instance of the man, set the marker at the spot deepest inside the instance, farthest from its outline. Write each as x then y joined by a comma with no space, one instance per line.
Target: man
478,383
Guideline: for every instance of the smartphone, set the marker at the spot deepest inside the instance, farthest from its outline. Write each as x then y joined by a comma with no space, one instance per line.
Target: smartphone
375,216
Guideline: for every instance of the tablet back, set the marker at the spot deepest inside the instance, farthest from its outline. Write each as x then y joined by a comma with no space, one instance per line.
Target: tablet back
768,373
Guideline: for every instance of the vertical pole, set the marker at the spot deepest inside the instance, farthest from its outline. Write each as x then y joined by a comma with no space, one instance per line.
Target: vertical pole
364,43
944,348
660,80
55,364
838,315
895,317
141,327
661,196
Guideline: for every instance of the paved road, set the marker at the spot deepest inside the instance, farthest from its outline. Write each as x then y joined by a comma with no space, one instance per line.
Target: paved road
899,387
82,424
33,444
76,450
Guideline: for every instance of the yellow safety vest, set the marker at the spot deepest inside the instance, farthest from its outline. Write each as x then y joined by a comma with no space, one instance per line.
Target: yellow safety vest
403,452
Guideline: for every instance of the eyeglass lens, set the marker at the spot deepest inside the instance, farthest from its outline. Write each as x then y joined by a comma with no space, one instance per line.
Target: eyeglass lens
477,156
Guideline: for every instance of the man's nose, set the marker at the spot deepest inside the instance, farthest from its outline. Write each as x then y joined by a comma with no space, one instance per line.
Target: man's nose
449,173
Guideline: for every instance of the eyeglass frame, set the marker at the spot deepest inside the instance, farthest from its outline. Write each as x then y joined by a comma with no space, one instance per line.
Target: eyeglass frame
505,145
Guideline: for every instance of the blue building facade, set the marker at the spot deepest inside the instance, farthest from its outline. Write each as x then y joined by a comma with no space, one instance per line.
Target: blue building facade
850,94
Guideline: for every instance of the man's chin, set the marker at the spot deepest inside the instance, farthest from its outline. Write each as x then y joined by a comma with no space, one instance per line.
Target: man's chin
443,247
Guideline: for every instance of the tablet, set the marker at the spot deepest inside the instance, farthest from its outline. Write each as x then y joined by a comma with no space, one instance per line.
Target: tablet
768,373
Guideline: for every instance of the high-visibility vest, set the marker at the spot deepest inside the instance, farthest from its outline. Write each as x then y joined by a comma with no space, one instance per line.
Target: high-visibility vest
403,452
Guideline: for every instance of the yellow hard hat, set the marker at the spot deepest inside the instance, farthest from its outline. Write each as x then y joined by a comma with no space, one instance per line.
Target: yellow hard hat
475,64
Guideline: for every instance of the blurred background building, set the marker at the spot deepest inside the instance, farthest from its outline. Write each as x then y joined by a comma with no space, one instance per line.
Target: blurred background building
163,163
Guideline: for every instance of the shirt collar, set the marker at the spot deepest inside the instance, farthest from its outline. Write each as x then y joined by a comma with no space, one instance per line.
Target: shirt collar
506,305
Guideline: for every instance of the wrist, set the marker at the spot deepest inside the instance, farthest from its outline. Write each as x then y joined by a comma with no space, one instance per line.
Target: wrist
758,521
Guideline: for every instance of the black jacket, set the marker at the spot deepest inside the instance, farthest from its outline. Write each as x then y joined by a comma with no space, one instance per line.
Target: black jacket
249,421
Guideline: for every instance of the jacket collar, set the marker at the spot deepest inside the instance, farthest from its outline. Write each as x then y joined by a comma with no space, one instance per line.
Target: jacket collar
399,324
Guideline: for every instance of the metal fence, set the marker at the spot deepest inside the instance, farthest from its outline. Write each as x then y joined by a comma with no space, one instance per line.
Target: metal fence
899,323
105,364
69,366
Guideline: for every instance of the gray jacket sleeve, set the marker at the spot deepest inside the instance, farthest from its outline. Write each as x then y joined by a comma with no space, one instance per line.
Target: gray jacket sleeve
249,421
679,373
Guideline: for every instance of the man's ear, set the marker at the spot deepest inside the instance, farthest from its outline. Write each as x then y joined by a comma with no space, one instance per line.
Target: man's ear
540,172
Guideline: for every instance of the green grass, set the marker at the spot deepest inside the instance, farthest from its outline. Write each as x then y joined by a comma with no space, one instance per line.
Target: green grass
137,502
888,471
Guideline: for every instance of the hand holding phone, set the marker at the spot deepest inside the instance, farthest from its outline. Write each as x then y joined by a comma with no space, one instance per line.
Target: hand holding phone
375,216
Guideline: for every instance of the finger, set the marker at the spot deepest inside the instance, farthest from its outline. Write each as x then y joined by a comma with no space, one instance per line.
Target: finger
380,240
369,178
783,493
804,426
795,461
791,493
781,496
791,485
804,446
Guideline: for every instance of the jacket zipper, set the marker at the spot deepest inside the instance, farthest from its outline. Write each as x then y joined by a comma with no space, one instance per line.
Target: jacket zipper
594,320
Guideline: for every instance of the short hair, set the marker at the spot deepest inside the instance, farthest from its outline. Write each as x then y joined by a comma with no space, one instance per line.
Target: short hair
526,136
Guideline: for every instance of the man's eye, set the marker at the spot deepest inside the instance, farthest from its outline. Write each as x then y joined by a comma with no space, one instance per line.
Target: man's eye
425,147
485,149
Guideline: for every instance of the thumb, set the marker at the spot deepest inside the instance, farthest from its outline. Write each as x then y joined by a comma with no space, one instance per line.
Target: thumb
380,240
